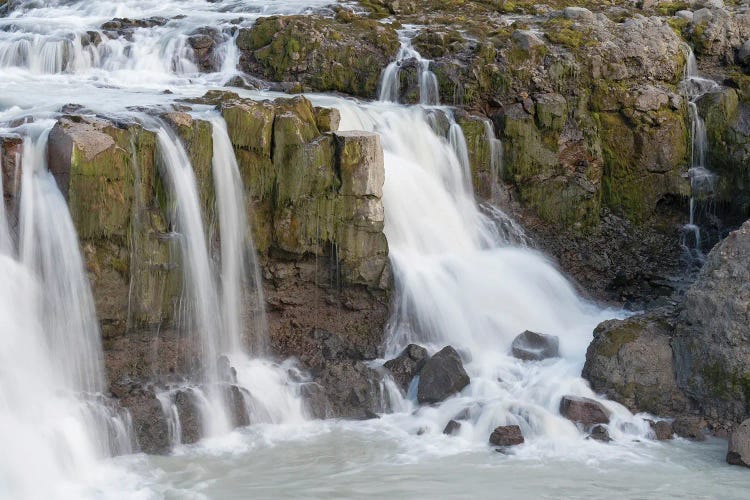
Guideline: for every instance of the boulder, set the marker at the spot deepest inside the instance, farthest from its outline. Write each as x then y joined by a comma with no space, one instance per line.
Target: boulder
452,427
506,435
630,361
662,430
585,411
189,415
442,376
578,14
352,390
689,427
407,365
204,41
739,445
531,346
149,422
712,340
600,433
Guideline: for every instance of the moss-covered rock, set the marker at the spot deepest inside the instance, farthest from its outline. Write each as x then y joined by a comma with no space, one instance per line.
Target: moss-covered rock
344,55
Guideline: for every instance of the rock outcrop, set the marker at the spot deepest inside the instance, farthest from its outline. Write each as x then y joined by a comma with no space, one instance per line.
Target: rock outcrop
739,445
407,365
345,54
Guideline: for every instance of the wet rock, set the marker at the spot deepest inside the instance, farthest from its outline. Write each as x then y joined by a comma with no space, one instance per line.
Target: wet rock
631,362
316,402
149,422
531,346
352,389
689,427
452,427
506,435
585,411
442,376
226,371
204,41
662,430
407,365
739,445
600,433
711,343
237,401
189,413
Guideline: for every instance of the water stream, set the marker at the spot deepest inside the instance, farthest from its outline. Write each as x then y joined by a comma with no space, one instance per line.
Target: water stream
464,276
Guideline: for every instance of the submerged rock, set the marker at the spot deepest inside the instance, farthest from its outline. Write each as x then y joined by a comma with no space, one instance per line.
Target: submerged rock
407,365
600,433
506,435
452,427
442,376
739,445
531,346
585,411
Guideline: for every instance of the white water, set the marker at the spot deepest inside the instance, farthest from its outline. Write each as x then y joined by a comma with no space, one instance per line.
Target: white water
702,180
390,86
460,282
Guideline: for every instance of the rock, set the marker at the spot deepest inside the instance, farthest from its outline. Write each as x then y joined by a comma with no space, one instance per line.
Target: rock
702,16
149,422
344,55
662,430
527,40
630,361
531,346
743,55
687,15
352,389
442,376
452,427
712,341
190,416
585,411
689,428
506,435
327,119
739,445
204,41
407,365
578,14
600,433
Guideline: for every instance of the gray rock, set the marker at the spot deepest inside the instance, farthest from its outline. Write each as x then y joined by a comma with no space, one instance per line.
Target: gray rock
600,433
630,361
702,16
452,427
407,365
689,427
743,55
190,416
149,422
352,390
578,14
506,435
442,376
712,340
687,15
585,411
739,445
531,346
662,430
527,40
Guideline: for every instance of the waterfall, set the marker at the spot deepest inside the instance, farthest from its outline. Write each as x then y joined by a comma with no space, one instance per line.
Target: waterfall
52,411
702,180
390,84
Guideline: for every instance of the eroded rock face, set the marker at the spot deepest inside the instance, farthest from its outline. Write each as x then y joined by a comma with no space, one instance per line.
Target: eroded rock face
442,376
506,435
739,445
407,365
583,410
531,346
343,54
712,340
630,361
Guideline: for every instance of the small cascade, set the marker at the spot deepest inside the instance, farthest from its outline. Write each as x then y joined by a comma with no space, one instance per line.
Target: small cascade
52,410
390,85
496,158
702,180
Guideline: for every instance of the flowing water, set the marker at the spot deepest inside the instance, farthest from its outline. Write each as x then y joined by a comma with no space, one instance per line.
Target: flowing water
465,275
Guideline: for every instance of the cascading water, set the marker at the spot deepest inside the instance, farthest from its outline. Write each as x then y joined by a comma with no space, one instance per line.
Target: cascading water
52,412
702,180
390,86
